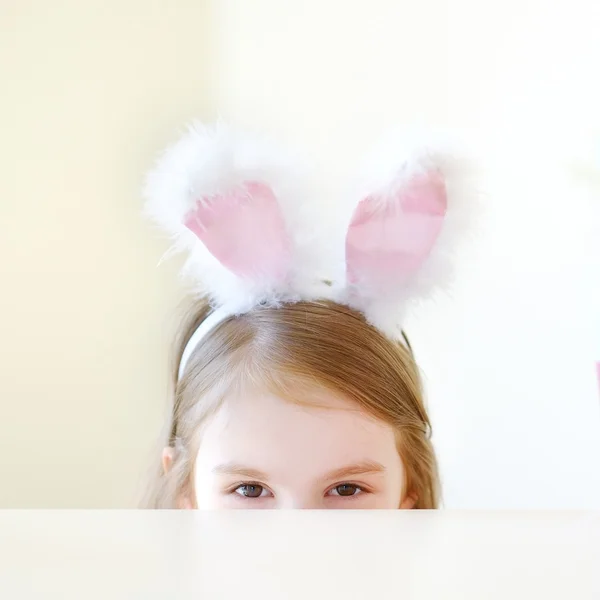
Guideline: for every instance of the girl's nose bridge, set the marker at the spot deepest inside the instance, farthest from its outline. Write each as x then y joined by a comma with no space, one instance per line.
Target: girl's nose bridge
297,500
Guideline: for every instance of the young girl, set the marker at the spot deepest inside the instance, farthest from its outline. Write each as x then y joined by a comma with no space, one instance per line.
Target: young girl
294,385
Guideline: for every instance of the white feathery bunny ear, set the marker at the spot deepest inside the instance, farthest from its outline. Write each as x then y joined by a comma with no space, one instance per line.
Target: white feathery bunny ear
231,201
412,212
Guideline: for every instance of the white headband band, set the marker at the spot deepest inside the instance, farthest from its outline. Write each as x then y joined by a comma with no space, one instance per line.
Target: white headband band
215,318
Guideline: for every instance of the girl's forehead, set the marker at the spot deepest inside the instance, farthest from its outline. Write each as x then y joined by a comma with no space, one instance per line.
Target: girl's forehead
298,406
264,429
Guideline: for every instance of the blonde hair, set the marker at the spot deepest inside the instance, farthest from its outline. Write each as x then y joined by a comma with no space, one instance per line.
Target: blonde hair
313,343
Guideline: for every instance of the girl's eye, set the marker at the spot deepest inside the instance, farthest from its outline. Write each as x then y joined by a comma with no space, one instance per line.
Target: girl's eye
251,490
346,489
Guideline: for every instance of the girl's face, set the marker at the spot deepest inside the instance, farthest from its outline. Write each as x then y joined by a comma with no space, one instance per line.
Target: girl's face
262,451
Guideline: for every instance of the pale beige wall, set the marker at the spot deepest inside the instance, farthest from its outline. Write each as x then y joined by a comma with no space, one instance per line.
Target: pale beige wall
92,89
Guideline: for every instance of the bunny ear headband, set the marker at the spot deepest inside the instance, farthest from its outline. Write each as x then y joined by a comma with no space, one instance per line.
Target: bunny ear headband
231,201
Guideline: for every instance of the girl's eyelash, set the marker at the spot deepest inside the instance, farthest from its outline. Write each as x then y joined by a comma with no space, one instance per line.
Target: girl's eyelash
362,489
239,484
232,490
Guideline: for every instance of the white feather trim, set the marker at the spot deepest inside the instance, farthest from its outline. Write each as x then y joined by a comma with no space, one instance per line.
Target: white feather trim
402,156
209,160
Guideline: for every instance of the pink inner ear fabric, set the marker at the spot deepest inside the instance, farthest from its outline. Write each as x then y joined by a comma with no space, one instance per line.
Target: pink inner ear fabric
390,238
244,230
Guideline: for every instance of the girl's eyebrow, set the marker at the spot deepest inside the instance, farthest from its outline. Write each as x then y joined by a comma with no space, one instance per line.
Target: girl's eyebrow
367,467
240,470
